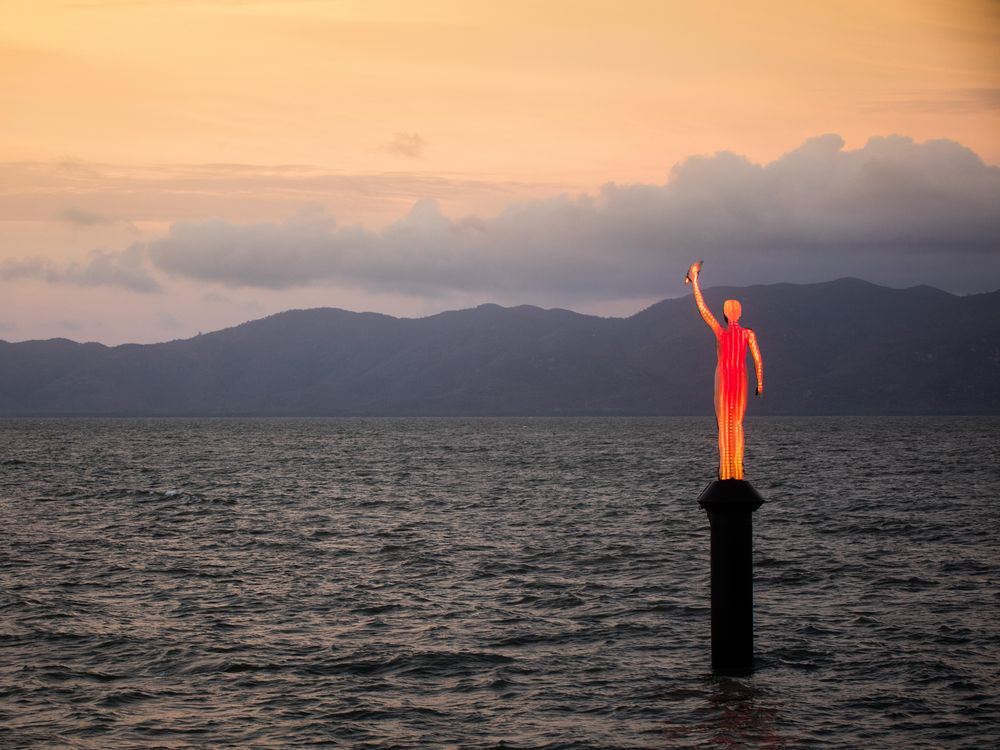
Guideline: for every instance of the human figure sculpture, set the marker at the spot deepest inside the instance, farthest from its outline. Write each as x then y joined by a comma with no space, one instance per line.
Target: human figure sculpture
730,376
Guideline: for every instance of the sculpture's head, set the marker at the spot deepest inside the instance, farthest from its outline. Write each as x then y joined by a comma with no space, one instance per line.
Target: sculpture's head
732,310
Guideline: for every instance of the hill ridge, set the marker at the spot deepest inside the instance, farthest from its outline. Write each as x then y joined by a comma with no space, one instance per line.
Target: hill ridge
840,347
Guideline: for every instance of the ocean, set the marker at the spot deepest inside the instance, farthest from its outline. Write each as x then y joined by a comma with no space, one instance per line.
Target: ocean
492,583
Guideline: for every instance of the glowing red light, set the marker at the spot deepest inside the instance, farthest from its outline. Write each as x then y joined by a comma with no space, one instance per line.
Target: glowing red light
730,376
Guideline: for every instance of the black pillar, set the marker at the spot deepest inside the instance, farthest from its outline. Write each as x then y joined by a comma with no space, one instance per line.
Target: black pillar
730,504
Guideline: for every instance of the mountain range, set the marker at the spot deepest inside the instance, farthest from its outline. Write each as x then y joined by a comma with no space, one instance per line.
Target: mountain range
840,347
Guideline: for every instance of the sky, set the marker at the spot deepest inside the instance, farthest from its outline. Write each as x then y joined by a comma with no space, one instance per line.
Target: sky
175,166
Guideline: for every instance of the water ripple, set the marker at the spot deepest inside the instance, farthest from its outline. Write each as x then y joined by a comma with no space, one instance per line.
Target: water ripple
490,583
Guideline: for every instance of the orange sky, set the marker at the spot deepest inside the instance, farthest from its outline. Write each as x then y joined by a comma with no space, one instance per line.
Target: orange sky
145,112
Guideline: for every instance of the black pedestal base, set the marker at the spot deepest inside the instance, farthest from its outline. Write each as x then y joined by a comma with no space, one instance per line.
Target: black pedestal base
730,504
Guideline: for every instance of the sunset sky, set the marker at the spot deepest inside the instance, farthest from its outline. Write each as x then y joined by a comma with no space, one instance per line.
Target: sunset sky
176,166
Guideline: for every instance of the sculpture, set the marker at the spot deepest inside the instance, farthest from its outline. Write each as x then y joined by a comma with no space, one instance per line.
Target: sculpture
730,376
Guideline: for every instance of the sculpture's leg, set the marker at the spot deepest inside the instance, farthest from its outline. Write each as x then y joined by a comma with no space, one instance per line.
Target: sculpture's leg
736,441
738,451
724,463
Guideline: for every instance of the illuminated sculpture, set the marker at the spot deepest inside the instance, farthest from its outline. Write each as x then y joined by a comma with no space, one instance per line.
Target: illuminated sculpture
730,376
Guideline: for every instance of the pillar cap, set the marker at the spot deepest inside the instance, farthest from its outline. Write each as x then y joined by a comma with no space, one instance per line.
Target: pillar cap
730,495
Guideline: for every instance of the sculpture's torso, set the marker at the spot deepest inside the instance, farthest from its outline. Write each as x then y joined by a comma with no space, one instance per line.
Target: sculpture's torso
732,351
731,398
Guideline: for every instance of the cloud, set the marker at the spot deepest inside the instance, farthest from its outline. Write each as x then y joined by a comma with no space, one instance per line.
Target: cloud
83,218
39,191
125,269
407,144
166,320
894,211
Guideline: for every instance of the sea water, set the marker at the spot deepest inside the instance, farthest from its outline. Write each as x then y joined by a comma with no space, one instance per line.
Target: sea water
488,583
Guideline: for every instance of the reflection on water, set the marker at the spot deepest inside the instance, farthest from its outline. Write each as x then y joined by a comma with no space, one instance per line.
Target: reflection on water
725,712
742,716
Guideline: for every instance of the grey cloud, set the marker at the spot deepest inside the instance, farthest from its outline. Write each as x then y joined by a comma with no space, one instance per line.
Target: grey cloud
407,144
894,212
84,218
125,269
70,166
166,320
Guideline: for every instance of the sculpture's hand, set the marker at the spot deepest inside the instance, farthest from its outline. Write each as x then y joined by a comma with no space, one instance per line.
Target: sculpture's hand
693,271
760,390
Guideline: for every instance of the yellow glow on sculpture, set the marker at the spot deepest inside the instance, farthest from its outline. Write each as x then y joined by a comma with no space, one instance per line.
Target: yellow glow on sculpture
730,376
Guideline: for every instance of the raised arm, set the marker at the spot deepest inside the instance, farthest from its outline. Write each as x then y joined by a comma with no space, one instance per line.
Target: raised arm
692,279
758,363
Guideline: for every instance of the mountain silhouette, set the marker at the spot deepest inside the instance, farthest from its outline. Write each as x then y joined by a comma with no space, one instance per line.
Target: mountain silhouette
841,347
